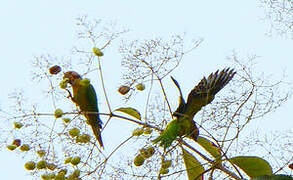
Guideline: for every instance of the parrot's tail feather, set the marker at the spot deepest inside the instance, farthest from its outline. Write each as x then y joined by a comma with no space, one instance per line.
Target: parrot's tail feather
168,135
97,134
159,138
96,125
164,140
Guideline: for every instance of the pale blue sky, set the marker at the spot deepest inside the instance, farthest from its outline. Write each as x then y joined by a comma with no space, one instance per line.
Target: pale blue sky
33,27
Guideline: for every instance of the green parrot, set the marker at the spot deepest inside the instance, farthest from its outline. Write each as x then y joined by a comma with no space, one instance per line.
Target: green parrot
201,95
84,95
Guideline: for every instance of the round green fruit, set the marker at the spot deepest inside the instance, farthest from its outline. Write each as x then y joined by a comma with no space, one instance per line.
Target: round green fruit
48,176
147,130
150,150
45,177
147,152
76,173
17,125
66,120
140,86
60,177
61,174
97,51
75,160
164,171
58,113
166,164
143,152
137,132
138,160
24,147
73,132
83,138
11,147
30,165
42,164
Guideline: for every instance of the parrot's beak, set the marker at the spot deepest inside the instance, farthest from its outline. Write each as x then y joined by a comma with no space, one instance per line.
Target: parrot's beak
67,74
71,75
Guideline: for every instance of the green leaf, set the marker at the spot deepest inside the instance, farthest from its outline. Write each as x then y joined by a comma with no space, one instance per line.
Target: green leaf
193,167
130,111
209,146
253,166
274,177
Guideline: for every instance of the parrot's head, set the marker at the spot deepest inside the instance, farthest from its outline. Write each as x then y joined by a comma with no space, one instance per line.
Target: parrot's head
71,76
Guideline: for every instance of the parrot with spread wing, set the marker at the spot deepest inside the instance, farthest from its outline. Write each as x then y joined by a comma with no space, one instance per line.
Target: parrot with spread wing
84,96
201,95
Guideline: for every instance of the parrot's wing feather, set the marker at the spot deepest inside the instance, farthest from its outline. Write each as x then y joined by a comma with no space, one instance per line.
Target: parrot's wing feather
91,97
200,95
181,105
203,93
94,119
93,103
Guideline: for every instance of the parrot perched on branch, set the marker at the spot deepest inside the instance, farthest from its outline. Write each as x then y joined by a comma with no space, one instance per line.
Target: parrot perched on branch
201,95
84,95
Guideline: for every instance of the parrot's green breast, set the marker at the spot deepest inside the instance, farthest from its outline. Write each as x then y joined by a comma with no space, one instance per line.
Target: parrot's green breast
85,97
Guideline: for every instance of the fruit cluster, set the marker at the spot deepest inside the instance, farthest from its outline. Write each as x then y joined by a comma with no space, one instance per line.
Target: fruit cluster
144,153
125,89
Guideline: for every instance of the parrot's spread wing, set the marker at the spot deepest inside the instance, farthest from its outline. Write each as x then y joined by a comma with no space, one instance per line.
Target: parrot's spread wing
200,95
204,93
